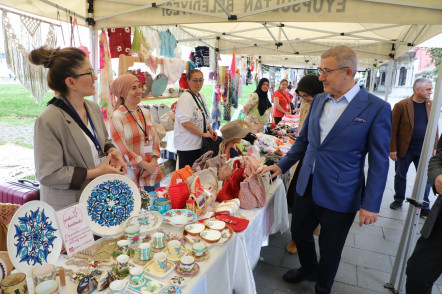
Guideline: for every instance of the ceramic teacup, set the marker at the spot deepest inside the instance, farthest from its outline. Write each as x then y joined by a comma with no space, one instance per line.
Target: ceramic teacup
132,233
187,263
14,284
136,276
47,271
47,287
158,240
144,251
199,248
123,246
174,247
160,262
122,264
118,287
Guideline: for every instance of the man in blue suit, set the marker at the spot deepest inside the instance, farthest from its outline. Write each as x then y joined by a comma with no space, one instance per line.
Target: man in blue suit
344,125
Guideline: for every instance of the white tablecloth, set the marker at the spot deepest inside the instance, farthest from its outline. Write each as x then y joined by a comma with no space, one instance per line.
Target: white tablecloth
230,266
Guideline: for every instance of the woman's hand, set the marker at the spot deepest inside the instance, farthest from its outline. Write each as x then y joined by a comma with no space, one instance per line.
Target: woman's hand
149,167
213,133
106,167
207,135
117,160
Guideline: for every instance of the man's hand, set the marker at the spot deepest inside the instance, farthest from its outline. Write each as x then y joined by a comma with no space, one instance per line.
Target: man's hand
438,184
393,156
274,169
367,217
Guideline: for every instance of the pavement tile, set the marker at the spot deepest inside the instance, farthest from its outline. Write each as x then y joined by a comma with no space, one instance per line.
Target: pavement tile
368,259
272,255
372,279
346,274
342,288
376,244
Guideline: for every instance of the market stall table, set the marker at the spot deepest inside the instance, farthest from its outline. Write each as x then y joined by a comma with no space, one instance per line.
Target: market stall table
230,265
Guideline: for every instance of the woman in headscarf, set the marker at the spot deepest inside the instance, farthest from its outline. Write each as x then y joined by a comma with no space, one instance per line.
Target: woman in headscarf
257,107
133,131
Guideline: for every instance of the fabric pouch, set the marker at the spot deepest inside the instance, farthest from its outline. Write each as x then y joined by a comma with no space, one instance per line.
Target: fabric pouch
167,120
231,186
237,224
207,176
252,193
201,161
178,195
217,162
229,206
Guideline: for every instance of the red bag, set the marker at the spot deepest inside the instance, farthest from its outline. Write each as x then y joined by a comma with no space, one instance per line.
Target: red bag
237,224
184,84
230,189
178,194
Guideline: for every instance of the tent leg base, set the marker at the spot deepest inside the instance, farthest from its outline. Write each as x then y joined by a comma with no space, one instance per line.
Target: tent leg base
391,288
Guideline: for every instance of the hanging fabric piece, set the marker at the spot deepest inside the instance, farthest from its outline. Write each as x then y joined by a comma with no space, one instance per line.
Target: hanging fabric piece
234,88
119,41
202,56
216,96
106,77
233,65
227,96
81,47
30,24
32,77
168,44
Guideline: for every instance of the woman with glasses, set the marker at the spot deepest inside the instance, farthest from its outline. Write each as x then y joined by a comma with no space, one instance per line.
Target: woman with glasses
257,106
192,121
281,102
133,131
71,143
308,87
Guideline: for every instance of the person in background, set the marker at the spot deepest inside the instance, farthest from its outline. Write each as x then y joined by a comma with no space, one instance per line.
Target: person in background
134,133
257,106
71,143
232,133
410,119
281,100
343,126
191,115
308,87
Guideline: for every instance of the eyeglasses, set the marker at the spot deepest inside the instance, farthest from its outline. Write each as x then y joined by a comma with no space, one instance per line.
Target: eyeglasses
306,97
91,73
197,80
326,71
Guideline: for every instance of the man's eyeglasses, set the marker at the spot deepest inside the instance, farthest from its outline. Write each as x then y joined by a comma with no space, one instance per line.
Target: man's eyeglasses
91,73
197,80
326,71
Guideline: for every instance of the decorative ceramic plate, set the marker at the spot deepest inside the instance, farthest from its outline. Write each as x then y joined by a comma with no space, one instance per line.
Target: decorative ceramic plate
191,273
159,85
216,225
194,229
183,252
147,221
110,201
175,290
179,217
34,237
150,269
226,234
150,286
210,236
203,257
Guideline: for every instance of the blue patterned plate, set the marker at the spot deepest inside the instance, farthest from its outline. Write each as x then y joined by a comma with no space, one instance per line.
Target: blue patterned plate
110,201
34,237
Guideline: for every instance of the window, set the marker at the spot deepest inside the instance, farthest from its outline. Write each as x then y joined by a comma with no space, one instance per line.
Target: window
402,76
383,78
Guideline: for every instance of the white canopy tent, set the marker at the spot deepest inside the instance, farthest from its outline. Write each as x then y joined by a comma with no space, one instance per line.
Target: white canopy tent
281,31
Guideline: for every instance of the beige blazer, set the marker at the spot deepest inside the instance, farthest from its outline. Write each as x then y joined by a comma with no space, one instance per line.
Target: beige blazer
60,148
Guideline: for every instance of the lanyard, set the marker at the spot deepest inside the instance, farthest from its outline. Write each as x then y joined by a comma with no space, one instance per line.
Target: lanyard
203,107
283,95
93,136
145,126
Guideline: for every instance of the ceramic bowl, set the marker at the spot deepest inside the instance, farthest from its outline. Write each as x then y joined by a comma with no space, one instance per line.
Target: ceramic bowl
179,217
210,236
216,225
194,229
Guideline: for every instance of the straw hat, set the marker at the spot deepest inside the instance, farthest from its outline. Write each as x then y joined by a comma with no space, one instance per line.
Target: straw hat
236,129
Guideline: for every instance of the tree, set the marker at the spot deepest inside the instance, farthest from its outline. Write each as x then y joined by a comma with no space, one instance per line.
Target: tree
436,58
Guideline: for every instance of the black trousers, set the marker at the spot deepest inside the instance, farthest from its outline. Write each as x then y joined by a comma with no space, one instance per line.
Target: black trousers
425,264
334,230
187,157
277,119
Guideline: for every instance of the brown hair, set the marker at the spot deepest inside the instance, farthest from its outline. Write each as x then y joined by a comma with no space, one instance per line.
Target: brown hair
61,64
192,71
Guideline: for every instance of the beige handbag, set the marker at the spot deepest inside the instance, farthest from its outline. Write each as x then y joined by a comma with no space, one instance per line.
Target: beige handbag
207,176
231,206
252,193
200,163
216,162
167,120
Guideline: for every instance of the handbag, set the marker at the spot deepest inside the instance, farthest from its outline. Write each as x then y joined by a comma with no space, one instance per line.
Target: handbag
216,162
208,178
201,161
178,195
181,175
167,120
231,186
198,195
252,193
229,206
237,224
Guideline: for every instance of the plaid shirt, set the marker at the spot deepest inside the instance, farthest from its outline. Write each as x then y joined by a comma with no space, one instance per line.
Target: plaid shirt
130,140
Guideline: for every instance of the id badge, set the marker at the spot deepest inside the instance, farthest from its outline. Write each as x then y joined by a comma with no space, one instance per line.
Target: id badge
102,158
147,149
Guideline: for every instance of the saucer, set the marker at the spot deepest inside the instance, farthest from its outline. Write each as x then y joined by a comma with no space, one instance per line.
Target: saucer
156,250
203,257
177,290
183,252
120,275
116,253
137,259
150,269
191,273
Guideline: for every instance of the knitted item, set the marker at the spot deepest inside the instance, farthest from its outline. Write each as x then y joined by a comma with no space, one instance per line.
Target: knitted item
119,41
178,195
217,162
181,174
201,162
231,186
7,211
252,193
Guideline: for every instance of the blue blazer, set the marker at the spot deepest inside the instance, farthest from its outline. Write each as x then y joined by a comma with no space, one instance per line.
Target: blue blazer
339,180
